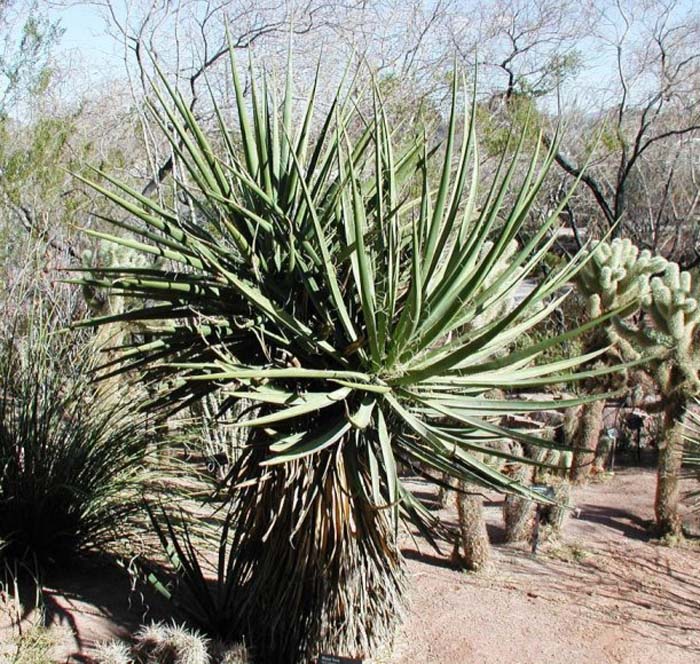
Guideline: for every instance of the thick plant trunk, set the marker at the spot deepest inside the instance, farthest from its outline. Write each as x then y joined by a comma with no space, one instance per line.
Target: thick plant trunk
572,421
474,538
555,516
668,520
317,567
602,454
586,439
518,512
443,493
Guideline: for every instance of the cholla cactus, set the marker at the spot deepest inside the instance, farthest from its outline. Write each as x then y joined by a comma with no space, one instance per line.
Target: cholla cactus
114,652
602,453
486,309
620,277
170,644
559,461
473,536
100,260
673,305
554,516
518,512
616,275
472,547
102,295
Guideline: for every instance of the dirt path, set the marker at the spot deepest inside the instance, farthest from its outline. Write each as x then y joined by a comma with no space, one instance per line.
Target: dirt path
604,594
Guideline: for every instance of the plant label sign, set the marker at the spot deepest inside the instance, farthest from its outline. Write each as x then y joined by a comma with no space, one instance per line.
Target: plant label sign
335,659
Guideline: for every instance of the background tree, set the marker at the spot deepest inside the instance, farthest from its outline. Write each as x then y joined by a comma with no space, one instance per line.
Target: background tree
27,37
641,178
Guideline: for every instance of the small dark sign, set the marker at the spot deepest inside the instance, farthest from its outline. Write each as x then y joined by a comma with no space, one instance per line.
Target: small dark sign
335,659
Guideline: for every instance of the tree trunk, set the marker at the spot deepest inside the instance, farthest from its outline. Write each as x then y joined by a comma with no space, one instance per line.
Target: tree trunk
555,516
518,512
315,567
586,439
668,520
443,492
474,538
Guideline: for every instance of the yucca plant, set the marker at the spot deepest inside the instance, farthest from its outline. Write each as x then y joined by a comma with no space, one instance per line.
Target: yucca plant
328,277
71,457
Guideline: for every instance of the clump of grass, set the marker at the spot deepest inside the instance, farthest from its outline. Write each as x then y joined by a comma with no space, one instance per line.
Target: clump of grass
569,553
72,454
32,646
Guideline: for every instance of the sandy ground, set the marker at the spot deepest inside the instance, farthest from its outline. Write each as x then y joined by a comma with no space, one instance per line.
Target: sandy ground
603,593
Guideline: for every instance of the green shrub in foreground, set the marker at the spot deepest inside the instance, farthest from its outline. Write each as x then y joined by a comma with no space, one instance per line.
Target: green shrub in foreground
71,455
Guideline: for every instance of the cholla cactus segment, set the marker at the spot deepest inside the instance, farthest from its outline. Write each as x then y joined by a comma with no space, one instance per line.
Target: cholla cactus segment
618,274
674,305
566,460
226,653
113,652
170,644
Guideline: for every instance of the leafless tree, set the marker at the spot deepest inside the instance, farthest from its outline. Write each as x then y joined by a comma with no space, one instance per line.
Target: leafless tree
642,177
629,66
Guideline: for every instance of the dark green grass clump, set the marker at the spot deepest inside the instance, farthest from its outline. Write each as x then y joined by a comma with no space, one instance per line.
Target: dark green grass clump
72,454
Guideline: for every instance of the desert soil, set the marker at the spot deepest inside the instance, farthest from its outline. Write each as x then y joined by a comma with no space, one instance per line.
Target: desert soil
603,593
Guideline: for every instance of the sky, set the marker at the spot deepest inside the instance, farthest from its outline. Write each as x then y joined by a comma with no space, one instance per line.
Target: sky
84,40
